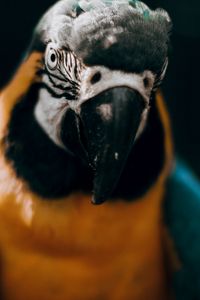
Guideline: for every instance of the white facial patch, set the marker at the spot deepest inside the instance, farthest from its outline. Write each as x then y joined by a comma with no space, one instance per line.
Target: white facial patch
49,113
96,80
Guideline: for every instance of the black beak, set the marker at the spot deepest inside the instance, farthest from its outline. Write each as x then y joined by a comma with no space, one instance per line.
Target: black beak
108,125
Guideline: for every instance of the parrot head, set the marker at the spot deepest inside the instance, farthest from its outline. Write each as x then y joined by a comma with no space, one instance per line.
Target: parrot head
103,60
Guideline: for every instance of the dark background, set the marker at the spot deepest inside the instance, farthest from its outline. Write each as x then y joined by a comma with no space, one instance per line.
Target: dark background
181,86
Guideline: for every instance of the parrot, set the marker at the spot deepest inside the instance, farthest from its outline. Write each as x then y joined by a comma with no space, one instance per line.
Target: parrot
93,202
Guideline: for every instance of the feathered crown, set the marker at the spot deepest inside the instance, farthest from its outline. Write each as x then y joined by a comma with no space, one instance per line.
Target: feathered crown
87,5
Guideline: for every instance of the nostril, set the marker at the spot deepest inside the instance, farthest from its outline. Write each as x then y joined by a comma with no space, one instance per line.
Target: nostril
146,82
95,78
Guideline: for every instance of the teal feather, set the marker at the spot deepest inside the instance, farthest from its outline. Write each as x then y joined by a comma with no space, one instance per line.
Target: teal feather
87,5
138,6
182,216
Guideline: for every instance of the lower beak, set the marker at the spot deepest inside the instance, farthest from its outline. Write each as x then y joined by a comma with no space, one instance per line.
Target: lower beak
108,124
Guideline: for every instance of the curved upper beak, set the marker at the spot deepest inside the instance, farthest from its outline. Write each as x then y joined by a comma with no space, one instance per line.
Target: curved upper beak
107,126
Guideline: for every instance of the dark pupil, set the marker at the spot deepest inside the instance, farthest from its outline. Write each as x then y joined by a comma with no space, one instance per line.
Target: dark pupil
53,57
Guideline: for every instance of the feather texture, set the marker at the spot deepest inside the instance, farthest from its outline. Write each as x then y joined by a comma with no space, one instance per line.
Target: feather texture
182,216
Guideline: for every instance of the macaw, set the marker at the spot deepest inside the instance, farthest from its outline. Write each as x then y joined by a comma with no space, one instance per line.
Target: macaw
92,204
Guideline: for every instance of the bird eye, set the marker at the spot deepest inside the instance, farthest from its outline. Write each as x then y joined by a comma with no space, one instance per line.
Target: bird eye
51,59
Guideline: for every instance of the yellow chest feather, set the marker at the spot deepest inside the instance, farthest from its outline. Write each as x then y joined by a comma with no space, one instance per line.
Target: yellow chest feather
73,250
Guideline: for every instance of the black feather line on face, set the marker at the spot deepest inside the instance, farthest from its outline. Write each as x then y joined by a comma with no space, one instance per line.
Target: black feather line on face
69,80
68,92
72,90
62,79
65,95
62,74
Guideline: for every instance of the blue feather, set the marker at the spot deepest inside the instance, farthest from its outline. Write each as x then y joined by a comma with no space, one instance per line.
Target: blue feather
182,216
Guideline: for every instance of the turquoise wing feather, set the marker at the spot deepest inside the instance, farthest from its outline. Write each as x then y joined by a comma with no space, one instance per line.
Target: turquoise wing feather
182,216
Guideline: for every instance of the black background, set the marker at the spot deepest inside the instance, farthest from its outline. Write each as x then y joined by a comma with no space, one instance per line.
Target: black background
181,86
